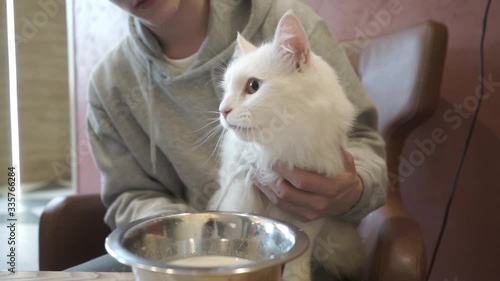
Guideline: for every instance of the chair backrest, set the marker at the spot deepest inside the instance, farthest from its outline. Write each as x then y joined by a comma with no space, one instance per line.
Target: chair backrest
401,72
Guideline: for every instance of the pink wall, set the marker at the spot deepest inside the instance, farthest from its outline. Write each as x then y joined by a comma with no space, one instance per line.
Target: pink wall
471,246
99,27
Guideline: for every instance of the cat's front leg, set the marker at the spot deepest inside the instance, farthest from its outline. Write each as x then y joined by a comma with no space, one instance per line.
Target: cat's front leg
237,194
298,269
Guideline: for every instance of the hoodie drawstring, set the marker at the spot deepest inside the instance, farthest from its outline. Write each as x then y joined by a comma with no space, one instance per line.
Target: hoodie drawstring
152,129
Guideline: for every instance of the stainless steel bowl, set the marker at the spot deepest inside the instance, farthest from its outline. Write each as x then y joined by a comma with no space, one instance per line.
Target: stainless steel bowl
150,246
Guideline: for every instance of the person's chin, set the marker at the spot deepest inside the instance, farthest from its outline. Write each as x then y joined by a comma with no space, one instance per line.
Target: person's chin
151,22
156,15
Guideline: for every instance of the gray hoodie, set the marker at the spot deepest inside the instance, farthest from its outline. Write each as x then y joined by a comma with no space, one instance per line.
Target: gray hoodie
136,105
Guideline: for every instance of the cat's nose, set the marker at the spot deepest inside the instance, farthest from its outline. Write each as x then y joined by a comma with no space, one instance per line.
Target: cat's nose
225,112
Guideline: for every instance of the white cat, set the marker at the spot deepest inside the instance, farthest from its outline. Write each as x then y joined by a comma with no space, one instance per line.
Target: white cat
282,103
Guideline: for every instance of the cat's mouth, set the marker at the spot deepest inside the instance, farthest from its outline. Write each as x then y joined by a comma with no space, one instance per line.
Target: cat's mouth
240,128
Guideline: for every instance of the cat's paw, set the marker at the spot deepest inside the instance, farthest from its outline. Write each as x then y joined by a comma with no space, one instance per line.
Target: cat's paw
298,270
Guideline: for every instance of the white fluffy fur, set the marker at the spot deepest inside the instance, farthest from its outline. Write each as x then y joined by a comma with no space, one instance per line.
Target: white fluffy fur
300,116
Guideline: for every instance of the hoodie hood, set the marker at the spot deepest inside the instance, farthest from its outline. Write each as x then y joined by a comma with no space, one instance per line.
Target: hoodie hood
226,18
223,27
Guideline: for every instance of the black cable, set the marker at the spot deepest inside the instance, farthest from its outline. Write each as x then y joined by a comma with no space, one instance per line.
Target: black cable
467,140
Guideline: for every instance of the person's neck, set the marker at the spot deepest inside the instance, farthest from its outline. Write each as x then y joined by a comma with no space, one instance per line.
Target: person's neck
182,34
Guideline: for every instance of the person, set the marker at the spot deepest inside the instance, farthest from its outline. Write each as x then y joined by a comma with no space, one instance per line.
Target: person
150,101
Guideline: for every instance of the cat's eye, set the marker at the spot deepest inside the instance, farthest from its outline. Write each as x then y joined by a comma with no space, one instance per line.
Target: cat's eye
253,85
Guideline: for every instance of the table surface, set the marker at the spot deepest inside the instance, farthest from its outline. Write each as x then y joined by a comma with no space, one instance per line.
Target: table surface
62,276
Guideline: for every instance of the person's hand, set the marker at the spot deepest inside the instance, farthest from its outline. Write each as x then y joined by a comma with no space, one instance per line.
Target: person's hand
311,196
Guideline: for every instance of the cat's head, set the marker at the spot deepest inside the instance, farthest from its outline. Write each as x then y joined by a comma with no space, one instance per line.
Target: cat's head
279,90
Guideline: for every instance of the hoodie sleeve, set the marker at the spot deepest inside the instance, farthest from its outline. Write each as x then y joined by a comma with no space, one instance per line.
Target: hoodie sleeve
128,192
366,144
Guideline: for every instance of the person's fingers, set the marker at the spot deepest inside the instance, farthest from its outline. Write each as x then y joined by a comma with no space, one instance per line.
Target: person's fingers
303,180
303,213
348,160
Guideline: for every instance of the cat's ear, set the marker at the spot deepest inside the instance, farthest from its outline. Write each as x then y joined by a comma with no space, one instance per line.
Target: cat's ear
290,37
242,46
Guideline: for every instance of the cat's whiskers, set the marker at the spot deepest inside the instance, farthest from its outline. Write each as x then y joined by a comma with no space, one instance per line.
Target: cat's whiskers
216,148
212,121
253,133
218,56
204,113
221,68
208,79
260,132
207,136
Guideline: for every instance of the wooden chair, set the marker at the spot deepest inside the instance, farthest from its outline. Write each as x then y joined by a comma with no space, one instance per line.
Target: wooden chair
401,72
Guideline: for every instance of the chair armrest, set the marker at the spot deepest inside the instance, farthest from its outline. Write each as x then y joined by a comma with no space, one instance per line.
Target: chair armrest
72,231
400,251
395,245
